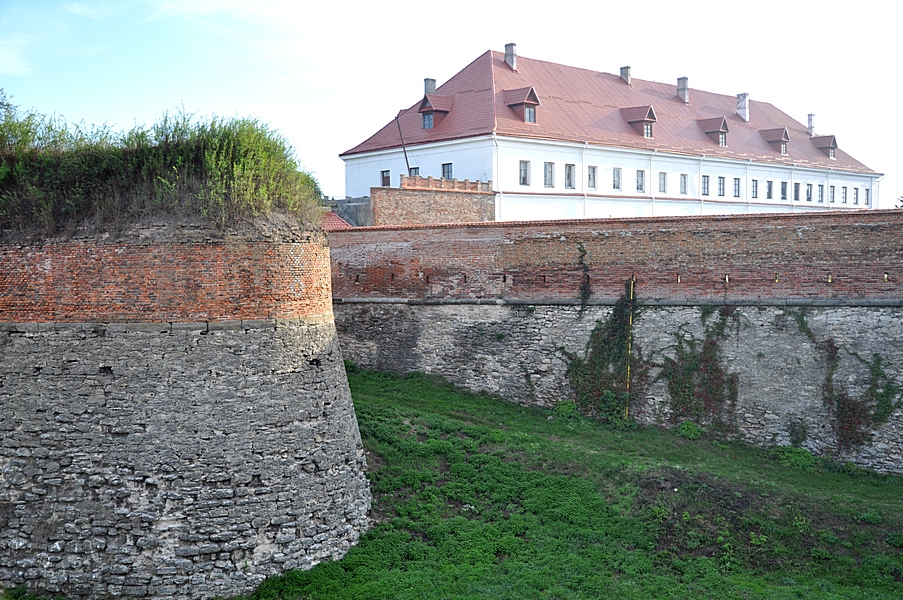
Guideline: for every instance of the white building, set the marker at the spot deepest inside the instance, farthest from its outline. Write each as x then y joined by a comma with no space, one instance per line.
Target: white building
561,142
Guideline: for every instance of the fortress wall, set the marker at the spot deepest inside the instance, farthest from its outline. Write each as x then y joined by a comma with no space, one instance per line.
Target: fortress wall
498,307
177,422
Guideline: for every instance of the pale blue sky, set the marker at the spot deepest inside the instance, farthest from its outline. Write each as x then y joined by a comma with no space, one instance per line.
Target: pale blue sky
328,77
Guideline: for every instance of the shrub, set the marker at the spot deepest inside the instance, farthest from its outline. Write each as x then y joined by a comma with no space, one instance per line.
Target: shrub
689,430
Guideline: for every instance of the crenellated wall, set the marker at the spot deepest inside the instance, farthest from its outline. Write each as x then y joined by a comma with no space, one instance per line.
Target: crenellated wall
176,419
501,306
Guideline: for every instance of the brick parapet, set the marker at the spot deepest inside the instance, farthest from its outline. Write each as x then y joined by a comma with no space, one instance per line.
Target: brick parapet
416,182
397,206
779,258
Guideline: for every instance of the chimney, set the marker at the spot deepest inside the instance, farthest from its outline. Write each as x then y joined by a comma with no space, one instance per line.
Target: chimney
683,91
625,74
743,106
429,86
511,56
811,127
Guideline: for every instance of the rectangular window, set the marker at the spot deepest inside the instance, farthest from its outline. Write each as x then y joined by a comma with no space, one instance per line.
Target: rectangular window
385,178
524,172
640,180
530,114
796,192
414,171
591,177
427,120
769,190
722,139
831,194
821,193
843,194
755,188
548,174
808,192
705,185
647,130
736,187
616,179
663,182
783,190
721,186
855,195
569,171
866,196
447,172
683,183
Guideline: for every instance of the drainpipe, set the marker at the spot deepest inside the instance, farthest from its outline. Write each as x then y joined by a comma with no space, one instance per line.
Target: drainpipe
793,200
651,178
746,187
699,184
583,174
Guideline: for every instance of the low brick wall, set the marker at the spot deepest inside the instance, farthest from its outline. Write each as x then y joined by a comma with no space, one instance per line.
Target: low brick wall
428,200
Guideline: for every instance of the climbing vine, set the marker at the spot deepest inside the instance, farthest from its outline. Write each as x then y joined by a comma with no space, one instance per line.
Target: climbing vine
699,388
601,378
586,289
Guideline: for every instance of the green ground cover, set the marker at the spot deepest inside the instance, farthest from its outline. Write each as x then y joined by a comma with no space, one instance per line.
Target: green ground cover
475,497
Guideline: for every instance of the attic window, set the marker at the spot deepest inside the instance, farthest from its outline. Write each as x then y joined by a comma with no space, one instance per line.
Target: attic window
778,138
831,153
529,114
523,101
716,128
647,130
434,107
640,118
428,120
827,144
784,148
722,139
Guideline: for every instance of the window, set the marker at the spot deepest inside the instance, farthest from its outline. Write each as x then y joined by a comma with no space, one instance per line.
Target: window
769,190
447,172
721,186
385,178
736,187
705,185
524,172
616,179
722,139
796,192
808,192
831,153
843,194
591,177
783,147
821,193
831,194
866,196
855,195
647,130
683,183
783,190
640,180
755,188
427,120
663,182
414,172
529,114
548,174
569,176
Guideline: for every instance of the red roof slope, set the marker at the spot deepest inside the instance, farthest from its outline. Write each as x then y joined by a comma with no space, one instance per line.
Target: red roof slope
585,106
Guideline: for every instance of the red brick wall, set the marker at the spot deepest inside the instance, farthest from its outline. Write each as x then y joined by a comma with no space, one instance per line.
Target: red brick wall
428,200
541,260
90,280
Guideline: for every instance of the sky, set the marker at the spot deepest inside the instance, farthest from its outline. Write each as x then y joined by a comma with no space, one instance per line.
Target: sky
328,76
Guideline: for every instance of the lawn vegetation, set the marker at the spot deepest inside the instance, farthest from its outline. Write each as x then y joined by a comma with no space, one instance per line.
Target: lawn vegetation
55,175
475,497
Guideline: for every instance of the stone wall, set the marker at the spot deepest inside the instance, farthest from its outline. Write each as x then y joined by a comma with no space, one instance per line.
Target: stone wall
176,419
519,352
428,200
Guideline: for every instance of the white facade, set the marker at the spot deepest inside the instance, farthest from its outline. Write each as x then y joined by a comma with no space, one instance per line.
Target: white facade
712,185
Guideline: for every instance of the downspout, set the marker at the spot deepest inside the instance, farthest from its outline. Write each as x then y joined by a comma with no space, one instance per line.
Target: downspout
651,181
792,190
583,174
699,184
498,201
746,187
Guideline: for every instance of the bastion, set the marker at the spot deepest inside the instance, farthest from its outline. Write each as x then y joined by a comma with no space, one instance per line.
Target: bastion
176,418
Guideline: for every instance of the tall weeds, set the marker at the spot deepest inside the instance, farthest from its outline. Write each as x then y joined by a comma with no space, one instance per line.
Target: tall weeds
55,175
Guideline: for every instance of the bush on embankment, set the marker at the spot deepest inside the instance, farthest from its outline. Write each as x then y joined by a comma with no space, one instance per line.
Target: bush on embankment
56,176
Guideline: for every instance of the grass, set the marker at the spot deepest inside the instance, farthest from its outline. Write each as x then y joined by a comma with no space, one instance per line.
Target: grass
55,175
475,497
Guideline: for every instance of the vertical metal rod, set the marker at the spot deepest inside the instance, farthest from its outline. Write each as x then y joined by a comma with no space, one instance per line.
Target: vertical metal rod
629,345
406,163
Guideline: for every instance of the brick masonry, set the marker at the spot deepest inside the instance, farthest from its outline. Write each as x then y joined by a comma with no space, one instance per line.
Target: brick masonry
177,422
492,306
428,200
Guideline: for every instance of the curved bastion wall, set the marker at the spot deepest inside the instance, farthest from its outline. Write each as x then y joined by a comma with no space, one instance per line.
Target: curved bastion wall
176,419
790,307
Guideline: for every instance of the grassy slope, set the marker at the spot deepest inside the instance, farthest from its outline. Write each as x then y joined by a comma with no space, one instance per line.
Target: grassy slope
480,498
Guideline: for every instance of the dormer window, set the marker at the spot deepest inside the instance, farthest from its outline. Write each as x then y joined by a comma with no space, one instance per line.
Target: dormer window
716,129
434,107
427,120
523,102
778,138
640,118
827,144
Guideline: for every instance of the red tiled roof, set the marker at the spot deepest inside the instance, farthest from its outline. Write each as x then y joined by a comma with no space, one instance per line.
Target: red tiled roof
579,105
333,222
825,141
776,135
636,114
524,95
714,125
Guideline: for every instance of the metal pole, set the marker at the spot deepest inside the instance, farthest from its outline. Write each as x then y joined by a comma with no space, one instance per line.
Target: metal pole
406,163
629,345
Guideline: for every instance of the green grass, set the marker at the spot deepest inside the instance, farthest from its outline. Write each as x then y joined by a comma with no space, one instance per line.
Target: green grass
475,497
55,175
